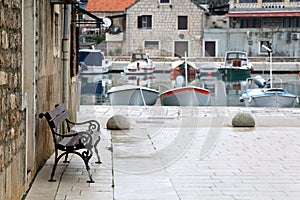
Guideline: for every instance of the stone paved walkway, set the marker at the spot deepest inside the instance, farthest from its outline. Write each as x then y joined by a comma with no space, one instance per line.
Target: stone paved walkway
184,153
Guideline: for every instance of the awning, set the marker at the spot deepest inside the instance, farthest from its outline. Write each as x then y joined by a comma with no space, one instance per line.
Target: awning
265,14
98,19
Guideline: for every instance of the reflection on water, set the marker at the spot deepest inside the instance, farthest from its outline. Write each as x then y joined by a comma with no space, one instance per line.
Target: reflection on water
224,92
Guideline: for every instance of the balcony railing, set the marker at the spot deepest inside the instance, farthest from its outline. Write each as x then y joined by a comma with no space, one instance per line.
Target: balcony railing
273,5
267,5
295,4
245,5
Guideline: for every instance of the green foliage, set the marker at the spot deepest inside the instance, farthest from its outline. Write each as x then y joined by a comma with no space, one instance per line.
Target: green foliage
118,51
110,53
97,38
115,52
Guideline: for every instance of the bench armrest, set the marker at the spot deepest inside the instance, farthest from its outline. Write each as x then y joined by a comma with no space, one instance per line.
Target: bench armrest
94,125
70,134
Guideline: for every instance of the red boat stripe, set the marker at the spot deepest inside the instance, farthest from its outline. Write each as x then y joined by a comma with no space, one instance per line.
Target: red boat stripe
205,92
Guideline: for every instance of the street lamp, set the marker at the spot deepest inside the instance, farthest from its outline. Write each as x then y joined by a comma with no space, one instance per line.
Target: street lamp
269,49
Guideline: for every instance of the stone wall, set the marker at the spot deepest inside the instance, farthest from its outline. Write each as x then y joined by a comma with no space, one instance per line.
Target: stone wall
12,131
249,40
38,71
164,27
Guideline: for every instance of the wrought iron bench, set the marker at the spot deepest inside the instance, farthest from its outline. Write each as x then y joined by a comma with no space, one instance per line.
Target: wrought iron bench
69,141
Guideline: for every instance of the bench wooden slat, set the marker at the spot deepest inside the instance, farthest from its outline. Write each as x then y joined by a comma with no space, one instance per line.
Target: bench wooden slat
59,109
70,141
59,119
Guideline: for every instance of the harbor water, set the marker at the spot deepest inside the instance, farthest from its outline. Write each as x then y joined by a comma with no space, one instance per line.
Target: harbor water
94,87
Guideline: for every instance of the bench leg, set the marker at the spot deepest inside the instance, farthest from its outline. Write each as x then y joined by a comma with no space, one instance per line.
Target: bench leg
96,150
66,159
54,166
86,156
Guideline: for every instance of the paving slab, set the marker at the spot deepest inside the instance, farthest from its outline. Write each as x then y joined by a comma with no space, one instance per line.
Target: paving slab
184,153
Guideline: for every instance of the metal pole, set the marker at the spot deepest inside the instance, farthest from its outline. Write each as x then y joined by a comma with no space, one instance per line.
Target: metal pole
186,69
66,51
271,74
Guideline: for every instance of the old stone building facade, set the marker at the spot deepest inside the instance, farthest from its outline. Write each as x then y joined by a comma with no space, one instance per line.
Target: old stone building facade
12,126
37,71
164,28
248,25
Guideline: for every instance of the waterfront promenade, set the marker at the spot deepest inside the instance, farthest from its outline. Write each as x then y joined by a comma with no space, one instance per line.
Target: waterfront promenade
259,67
184,153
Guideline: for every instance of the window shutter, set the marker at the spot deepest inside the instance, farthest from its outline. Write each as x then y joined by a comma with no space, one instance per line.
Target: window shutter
140,22
149,22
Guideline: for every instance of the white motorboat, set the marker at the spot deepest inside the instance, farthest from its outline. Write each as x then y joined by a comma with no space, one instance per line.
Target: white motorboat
132,95
92,61
140,63
267,97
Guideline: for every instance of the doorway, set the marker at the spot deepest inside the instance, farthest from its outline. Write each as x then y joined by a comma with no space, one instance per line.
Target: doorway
180,48
210,48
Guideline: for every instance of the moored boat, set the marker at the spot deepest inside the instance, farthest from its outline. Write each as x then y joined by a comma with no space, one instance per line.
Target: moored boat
132,95
140,63
92,61
236,66
267,97
178,68
185,96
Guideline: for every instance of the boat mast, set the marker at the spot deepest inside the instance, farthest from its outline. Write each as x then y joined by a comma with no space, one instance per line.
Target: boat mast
269,49
271,84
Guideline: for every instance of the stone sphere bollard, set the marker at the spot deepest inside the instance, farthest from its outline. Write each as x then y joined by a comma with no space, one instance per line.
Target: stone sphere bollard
118,122
243,120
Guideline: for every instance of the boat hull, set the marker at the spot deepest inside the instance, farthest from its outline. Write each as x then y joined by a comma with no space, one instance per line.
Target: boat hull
135,96
270,99
141,68
185,96
95,70
234,74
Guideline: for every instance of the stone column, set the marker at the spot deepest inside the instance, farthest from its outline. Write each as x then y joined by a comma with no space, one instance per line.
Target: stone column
287,4
232,2
259,3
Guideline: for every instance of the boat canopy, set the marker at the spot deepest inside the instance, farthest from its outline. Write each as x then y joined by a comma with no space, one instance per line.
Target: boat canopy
91,58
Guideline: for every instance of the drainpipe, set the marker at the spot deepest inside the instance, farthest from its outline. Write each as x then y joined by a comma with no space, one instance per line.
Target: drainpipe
127,36
66,54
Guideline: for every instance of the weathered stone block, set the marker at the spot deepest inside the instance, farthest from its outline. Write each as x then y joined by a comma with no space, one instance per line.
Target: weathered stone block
118,122
243,120
3,78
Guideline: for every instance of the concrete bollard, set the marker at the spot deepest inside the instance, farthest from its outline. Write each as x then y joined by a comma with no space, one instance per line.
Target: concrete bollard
118,122
243,120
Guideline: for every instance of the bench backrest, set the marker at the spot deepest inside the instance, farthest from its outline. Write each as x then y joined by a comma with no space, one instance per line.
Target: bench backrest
57,116
55,119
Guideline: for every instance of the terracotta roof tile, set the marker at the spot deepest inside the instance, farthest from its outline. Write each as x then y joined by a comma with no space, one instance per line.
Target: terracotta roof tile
108,5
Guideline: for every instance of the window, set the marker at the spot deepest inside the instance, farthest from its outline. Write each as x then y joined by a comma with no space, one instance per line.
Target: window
263,50
164,1
248,1
210,48
291,22
250,23
154,45
182,22
145,21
